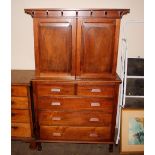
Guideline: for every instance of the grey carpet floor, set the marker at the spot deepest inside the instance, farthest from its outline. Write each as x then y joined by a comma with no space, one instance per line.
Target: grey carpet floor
22,148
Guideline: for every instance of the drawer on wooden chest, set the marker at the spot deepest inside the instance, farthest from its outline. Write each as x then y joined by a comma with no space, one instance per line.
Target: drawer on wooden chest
20,130
96,90
19,90
58,89
65,103
19,102
75,133
77,118
21,116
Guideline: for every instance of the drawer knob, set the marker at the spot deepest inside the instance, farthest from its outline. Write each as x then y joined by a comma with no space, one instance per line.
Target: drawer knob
93,135
14,127
12,102
94,119
12,114
96,90
55,103
56,118
56,134
95,104
55,90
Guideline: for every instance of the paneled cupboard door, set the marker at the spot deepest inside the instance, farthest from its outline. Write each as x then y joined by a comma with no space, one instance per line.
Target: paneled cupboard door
55,41
97,45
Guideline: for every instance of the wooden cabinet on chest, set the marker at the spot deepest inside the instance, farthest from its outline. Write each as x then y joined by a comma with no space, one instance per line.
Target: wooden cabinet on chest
75,88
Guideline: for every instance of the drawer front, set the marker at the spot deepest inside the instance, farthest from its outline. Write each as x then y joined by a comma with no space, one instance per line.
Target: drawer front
95,90
20,130
47,90
20,116
75,133
19,102
77,118
76,104
19,91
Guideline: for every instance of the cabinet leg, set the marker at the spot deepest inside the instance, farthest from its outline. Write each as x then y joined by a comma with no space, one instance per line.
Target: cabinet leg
110,147
33,145
39,146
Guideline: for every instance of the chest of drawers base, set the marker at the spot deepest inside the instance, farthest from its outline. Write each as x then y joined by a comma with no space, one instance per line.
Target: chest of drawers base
75,111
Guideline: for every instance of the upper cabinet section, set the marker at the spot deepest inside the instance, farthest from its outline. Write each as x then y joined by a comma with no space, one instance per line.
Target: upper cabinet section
55,47
73,44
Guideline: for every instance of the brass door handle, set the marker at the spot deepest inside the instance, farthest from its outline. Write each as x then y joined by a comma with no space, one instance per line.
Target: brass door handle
55,90
96,90
55,103
56,134
95,104
94,119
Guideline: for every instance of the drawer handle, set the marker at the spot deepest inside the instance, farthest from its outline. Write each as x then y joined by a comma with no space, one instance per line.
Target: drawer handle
12,102
95,104
55,103
12,114
57,134
93,119
96,90
55,90
93,135
56,118
14,127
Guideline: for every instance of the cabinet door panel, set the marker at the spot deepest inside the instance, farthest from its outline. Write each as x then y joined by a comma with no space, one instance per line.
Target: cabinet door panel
97,52
56,44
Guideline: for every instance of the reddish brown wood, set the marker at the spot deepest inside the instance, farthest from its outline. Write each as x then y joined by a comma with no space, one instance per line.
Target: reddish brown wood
48,13
22,124
96,90
19,90
55,47
96,38
19,103
75,133
75,88
55,89
74,103
22,130
76,118
20,116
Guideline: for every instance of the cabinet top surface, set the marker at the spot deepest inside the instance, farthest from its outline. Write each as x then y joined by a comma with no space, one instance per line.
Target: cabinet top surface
24,77
93,12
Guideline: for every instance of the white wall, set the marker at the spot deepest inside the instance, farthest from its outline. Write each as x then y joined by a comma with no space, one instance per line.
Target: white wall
22,28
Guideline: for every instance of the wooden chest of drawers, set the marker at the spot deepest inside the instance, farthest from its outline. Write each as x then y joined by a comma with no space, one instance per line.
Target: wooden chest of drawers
21,114
76,111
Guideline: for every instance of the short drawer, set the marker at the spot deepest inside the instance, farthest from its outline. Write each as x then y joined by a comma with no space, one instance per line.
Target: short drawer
47,90
96,90
19,102
20,130
62,103
19,91
75,133
77,118
20,116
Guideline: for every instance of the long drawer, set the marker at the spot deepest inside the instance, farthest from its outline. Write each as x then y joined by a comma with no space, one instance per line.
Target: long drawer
19,102
57,103
20,130
96,90
20,116
19,90
55,89
77,118
98,134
